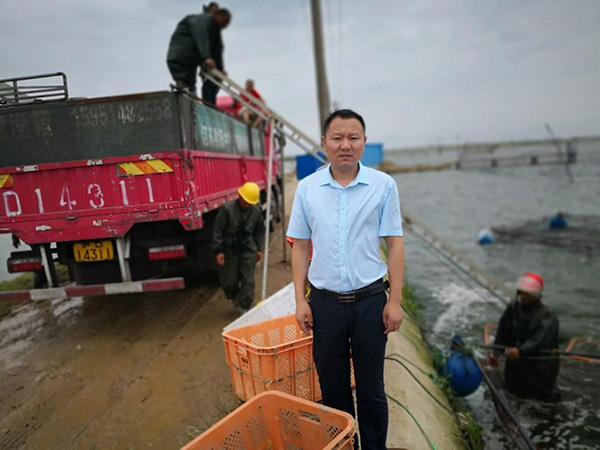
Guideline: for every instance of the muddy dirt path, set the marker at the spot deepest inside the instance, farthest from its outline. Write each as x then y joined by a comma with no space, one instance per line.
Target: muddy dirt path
131,371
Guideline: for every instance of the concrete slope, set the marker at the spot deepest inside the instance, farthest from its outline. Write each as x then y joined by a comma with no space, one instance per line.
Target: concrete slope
438,424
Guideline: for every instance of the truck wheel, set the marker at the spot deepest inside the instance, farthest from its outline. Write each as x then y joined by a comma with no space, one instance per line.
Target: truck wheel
39,279
142,269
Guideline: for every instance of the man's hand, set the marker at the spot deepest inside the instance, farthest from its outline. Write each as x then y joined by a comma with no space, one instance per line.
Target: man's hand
209,63
304,316
392,316
259,256
220,258
493,361
512,353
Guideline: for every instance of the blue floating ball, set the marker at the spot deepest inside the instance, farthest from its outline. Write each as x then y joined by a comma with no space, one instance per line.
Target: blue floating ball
558,221
486,236
463,374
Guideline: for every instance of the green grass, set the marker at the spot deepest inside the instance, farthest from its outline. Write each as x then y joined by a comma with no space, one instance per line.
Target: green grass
411,303
5,308
25,282
471,430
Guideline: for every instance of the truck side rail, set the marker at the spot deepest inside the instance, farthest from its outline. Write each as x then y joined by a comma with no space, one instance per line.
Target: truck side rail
26,90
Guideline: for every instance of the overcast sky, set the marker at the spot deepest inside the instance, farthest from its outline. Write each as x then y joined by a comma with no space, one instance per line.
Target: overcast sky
421,72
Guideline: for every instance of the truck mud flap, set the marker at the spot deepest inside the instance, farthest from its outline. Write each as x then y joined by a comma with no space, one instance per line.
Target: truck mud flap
132,287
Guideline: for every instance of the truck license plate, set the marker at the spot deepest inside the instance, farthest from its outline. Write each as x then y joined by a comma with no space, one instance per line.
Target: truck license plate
93,251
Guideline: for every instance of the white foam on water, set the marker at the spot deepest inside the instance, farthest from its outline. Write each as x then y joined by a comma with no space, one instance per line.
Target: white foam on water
463,307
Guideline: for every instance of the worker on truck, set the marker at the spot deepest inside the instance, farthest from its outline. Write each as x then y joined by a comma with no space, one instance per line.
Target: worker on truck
238,238
247,114
196,42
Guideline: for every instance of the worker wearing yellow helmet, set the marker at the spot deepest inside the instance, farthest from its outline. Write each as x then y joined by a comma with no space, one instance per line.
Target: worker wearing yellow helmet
238,239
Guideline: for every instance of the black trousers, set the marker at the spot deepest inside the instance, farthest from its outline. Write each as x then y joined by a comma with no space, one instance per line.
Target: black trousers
184,73
532,378
342,330
237,277
209,92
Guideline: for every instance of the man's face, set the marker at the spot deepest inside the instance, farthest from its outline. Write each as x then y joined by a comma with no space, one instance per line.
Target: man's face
526,298
222,20
344,143
249,86
243,203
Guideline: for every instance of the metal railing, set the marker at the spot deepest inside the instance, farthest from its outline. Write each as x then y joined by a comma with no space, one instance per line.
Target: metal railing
261,109
27,90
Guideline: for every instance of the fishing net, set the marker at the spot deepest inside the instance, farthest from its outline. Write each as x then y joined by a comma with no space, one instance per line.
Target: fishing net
490,157
582,233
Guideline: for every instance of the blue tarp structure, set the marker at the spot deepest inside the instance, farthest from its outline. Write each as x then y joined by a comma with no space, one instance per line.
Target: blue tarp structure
373,155
307,164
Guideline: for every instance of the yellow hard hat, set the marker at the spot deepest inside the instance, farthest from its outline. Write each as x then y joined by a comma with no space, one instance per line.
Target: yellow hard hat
250,192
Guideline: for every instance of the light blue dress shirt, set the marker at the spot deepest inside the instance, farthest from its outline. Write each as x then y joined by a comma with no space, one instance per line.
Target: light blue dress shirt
345,226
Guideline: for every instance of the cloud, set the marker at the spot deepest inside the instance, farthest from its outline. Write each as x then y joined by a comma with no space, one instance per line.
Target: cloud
418,70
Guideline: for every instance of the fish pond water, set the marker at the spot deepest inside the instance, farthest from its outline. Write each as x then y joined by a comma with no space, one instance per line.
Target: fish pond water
457,205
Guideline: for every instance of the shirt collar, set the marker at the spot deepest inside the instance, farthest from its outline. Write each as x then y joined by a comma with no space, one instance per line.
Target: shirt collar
326,178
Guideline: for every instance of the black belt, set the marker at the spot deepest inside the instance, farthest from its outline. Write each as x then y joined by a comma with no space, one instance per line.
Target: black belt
352,296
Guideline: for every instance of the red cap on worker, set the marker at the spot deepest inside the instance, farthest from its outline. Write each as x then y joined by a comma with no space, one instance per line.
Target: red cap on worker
531,283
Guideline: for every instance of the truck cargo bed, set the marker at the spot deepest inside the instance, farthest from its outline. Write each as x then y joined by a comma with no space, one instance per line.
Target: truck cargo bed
91,129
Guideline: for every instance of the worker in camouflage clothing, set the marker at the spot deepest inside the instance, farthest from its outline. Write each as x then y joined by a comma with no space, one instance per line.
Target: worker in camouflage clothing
238,239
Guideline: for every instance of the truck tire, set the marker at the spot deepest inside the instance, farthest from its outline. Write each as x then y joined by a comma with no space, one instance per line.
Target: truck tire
39,279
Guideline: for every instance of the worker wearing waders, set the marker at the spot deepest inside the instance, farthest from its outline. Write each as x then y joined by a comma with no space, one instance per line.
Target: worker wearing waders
527,328
196,42
344,210
238,238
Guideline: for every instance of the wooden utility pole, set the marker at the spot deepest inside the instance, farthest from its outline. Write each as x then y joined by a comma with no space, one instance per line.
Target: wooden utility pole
322,89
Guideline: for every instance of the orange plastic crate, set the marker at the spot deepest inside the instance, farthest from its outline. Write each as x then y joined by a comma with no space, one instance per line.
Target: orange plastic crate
274,420
272,355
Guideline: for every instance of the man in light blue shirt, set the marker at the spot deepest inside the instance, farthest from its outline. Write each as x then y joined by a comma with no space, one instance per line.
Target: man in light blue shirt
344,210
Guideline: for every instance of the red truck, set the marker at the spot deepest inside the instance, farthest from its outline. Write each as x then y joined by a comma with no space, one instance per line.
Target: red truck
118,188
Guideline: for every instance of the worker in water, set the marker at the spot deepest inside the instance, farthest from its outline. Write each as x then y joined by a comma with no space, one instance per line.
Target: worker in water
527,332
196,42
345,209
238,238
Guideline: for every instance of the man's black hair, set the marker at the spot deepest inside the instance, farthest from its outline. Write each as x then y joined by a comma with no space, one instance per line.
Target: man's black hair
206,8
343,114
223,11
